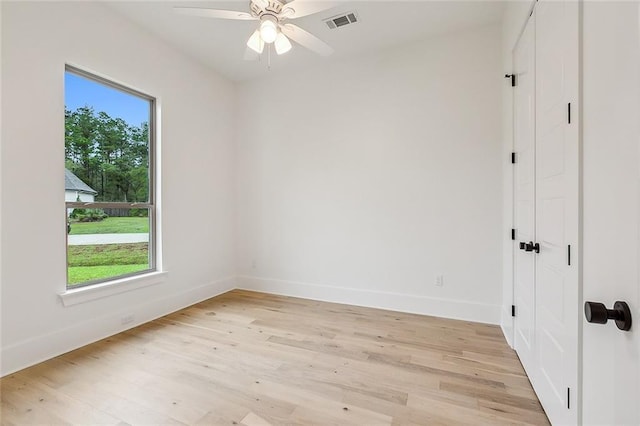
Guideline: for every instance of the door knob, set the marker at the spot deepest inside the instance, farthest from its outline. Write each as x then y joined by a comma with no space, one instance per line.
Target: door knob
597,313
530,246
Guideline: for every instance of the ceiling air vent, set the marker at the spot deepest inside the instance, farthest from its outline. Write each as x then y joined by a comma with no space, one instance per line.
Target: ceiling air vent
341,20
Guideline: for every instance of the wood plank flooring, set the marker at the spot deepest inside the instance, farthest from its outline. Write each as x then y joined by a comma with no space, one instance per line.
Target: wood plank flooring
246,358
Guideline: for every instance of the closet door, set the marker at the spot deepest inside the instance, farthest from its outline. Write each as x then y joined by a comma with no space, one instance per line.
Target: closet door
524,196
611,140
557,317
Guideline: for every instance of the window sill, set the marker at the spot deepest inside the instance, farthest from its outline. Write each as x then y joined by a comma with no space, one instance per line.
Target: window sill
98,291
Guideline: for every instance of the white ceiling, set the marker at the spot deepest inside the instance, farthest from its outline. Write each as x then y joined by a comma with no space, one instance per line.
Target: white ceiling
220,44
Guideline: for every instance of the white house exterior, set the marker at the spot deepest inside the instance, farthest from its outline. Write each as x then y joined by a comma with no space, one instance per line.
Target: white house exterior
77,190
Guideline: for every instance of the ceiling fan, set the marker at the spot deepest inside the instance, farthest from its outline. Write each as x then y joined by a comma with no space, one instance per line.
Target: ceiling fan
274,26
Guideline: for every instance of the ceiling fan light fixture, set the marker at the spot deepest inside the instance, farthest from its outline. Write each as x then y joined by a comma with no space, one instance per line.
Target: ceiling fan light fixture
269,29
282,44
255,42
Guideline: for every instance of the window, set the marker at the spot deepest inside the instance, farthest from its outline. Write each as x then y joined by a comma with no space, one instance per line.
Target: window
109,180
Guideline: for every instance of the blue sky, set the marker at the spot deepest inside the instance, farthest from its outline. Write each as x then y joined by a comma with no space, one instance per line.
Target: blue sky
79,92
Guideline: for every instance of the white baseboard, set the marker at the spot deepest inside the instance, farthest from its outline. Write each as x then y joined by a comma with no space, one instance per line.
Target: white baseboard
37,349
506,324
446,308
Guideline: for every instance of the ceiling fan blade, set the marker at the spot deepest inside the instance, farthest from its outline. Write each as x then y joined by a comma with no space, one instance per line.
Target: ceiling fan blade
251,55
306,39
215,13
300,8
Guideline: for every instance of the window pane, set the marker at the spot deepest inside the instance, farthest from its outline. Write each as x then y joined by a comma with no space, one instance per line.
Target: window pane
107,142
106,243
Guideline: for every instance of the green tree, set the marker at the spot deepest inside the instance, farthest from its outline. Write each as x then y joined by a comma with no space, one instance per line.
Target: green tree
108,154
80,143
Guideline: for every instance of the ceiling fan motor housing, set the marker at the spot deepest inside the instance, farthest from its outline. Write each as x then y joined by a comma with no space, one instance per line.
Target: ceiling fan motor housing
266,7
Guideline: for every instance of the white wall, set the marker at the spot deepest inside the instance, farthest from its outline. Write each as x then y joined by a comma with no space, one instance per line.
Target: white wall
361,180
515,17
611,227
197,156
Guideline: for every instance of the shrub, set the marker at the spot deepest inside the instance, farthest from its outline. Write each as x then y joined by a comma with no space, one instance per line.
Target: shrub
77,212
89,215
138,212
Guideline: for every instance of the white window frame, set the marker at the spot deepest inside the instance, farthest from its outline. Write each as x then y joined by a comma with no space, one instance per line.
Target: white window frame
150,204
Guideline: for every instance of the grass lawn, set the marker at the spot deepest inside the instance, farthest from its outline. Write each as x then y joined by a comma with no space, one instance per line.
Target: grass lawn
92,262
108,254
112,225
81,274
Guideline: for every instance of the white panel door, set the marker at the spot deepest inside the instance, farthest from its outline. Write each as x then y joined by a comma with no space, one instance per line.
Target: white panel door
558,314
524,194
611,140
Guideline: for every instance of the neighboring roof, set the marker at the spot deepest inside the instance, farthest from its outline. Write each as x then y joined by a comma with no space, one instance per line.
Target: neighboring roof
73,183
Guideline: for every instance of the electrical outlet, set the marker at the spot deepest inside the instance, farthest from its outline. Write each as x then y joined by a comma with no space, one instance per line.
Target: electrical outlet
439,281
127,319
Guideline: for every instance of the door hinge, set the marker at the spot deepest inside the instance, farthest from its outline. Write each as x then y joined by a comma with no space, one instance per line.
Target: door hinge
569,112
513,234
569,254
513,158
568,398
513,310
513,79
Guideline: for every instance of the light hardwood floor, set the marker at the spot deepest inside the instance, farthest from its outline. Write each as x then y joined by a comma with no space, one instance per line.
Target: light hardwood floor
251,359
